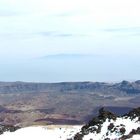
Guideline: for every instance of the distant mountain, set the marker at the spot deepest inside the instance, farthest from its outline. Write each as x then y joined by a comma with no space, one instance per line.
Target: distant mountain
123,87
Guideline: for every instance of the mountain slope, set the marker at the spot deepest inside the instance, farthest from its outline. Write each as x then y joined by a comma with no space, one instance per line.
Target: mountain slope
64,103
123,87
108,126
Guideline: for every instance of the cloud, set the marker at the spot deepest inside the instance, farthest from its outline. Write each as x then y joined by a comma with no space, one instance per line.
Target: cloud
136,34
62,56
124,32
8,13
16,36
65,35
65,14
47,33
27,35
59,34
9,8
128,29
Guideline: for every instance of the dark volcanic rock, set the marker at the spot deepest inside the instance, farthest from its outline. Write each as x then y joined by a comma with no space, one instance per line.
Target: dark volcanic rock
95,125
4,128
103,115
130,135
134,113
111,126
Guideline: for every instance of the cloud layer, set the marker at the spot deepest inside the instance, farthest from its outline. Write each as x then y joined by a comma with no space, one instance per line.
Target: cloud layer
31,29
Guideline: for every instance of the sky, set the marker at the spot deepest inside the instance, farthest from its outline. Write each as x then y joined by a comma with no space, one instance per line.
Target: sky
76,40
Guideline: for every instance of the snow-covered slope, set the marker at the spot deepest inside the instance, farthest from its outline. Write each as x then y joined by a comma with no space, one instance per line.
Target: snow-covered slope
107,126
112,129
42,133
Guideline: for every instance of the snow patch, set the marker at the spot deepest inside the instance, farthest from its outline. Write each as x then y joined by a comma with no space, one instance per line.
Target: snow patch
43,133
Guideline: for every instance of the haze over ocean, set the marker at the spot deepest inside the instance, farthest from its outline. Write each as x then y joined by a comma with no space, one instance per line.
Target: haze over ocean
82,40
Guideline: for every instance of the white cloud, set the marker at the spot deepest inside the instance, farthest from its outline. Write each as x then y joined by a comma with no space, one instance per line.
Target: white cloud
84,18
103,27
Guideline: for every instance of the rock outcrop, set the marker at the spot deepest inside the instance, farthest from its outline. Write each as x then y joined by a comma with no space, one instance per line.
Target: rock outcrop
108,126
10,128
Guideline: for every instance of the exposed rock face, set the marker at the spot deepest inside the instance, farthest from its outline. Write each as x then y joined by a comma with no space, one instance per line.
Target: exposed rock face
98,121
130,135
115,125
23,87
4,128
134,113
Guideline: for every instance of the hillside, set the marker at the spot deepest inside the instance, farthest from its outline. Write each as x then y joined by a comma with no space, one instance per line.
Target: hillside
124,87
106,126
28,104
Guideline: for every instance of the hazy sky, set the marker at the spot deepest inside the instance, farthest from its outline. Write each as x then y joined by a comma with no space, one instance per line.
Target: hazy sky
75,40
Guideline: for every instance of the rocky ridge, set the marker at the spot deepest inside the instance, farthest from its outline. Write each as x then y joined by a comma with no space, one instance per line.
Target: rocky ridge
108,126
6,128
